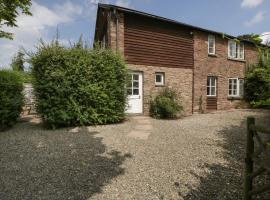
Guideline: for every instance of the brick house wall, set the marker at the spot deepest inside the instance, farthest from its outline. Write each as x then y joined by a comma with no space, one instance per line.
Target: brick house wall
220,66
180,79
190,83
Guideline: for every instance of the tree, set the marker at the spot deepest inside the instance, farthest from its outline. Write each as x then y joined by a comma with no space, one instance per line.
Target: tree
17,63
257,83
9,11
252,38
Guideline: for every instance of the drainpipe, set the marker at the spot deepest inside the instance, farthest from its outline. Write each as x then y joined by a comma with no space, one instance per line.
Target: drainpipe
117,27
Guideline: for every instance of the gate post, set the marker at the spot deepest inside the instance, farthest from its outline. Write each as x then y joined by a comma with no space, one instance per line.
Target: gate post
248,160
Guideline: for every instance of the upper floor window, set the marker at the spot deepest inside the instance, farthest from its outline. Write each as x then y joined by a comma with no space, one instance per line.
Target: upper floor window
236,50
211,45
236,87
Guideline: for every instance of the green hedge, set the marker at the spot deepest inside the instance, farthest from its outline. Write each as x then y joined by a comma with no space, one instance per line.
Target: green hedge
11,98
165,105
78,86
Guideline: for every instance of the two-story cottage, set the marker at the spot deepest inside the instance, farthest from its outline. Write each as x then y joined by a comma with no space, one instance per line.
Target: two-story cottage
205,67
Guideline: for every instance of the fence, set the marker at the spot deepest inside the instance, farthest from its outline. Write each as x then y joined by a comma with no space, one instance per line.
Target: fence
260,157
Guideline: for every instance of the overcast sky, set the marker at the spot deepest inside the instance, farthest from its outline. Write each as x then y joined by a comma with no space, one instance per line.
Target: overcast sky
76,17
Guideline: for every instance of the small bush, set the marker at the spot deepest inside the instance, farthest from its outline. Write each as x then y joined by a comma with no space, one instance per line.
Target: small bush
166,105
11,98
78,86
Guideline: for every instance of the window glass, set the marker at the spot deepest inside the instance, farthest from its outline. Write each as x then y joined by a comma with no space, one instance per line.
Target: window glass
236,87
133,85
235,50
211,44
159,78
211,86
135,91
135,77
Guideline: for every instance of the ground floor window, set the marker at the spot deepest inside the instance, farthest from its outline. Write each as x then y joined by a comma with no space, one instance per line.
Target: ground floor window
159,78
211,86
236,87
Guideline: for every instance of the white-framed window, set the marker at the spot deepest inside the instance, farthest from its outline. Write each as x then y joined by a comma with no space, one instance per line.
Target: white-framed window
236,87
159,78
211,45
211,86
236,50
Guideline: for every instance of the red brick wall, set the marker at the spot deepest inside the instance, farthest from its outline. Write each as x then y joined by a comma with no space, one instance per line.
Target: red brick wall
219,66
182,79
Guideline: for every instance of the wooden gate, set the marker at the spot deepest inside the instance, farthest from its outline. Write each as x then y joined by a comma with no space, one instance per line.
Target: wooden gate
261,158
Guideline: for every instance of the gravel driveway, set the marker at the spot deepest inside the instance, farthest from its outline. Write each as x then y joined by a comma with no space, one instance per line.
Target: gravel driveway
197,157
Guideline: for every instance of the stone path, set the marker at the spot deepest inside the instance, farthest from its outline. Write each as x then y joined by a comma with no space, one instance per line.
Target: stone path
143,128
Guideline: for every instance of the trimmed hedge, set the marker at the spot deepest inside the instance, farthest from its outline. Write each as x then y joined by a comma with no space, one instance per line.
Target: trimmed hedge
11,98
165,105
78,86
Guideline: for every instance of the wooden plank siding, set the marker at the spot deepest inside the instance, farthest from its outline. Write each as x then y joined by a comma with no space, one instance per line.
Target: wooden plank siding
156,43
211,103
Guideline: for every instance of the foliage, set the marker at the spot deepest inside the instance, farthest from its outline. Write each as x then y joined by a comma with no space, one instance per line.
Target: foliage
165,105
255,38
9,11
11,98
17,63
78,86
257,84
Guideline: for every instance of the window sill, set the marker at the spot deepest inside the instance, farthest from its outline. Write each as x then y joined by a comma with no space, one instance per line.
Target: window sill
235,98
157,85
235,59
212,55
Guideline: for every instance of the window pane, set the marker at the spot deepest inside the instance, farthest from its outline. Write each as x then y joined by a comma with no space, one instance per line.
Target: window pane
135,77
211,44
213,91
208,90
158,78
241,87
208,81
135,91
232,49
213,81
135,84
241,51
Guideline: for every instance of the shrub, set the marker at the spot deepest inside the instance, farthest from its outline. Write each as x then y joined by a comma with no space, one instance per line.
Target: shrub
11,98
257,84
78,86
165,105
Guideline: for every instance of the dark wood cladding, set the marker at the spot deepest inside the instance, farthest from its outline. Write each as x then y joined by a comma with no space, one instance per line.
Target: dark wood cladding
156,43
211,103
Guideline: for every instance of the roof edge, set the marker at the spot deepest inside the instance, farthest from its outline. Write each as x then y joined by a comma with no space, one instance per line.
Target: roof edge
128,10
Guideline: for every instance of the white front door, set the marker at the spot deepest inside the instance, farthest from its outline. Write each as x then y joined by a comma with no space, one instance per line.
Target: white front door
134,91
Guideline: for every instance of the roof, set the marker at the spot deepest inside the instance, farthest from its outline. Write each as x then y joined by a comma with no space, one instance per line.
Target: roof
128,10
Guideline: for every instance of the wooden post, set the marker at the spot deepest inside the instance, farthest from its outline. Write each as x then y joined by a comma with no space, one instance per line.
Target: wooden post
249,162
